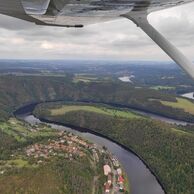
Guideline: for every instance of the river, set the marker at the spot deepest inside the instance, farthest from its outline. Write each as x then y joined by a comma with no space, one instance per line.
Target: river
126,78
162,118
142,181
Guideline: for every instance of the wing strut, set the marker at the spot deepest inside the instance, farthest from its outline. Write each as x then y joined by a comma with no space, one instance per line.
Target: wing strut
140,19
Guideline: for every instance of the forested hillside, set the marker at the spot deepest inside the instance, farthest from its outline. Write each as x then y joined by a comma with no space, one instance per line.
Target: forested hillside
25,169
166,148
18,90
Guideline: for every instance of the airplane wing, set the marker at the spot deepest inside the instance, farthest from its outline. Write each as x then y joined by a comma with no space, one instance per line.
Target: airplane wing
76,13
14,8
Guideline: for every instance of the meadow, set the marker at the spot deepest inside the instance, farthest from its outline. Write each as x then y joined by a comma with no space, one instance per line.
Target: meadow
92,108
163,87
181,103
22,132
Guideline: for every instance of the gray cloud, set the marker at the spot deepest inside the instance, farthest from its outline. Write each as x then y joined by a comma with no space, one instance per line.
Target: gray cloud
11,23
116,39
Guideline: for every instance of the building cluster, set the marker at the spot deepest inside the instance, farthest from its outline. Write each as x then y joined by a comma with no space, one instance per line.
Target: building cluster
69,144
120,178
113,171
108,174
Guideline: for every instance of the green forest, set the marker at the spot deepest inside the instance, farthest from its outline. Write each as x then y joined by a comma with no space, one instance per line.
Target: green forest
167,149
16,91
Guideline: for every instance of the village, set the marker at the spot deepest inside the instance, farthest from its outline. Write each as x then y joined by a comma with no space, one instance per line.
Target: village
71,146
68,146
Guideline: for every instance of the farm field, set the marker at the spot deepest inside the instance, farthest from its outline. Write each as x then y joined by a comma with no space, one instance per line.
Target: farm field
85,78
181,103
91,108
162,88
21,133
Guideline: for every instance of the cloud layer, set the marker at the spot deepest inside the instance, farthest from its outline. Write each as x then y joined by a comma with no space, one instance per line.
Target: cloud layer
119,39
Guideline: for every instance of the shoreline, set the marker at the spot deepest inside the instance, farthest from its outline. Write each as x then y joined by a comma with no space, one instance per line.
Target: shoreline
141,110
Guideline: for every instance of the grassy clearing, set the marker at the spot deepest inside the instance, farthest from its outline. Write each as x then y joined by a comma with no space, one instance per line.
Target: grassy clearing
97,109
181,103
84,78
19,131
89,78
9,130
162,88
20,163
181,132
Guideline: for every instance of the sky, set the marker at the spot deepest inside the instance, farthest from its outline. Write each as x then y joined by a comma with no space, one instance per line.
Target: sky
119,39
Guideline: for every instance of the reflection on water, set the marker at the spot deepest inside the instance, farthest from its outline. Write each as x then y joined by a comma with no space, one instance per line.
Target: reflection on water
188,95
126,78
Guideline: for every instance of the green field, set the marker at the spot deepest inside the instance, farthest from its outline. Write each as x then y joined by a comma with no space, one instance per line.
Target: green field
19,131
87,78
162,88
181,103
84,78
20,163
97,109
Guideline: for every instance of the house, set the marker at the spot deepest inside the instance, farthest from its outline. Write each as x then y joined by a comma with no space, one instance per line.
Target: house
115,162
109,180
119,171
107,169
120,179
121,183
107,188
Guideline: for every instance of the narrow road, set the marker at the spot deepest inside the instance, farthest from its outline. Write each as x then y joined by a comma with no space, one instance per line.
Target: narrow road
95,181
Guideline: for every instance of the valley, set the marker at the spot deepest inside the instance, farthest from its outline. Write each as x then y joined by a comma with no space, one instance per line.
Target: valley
161,145
146,124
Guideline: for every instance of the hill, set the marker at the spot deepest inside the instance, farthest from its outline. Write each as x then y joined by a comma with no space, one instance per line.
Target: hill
16,91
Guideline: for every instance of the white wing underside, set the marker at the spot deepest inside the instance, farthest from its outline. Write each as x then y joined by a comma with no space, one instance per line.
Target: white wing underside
79,12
